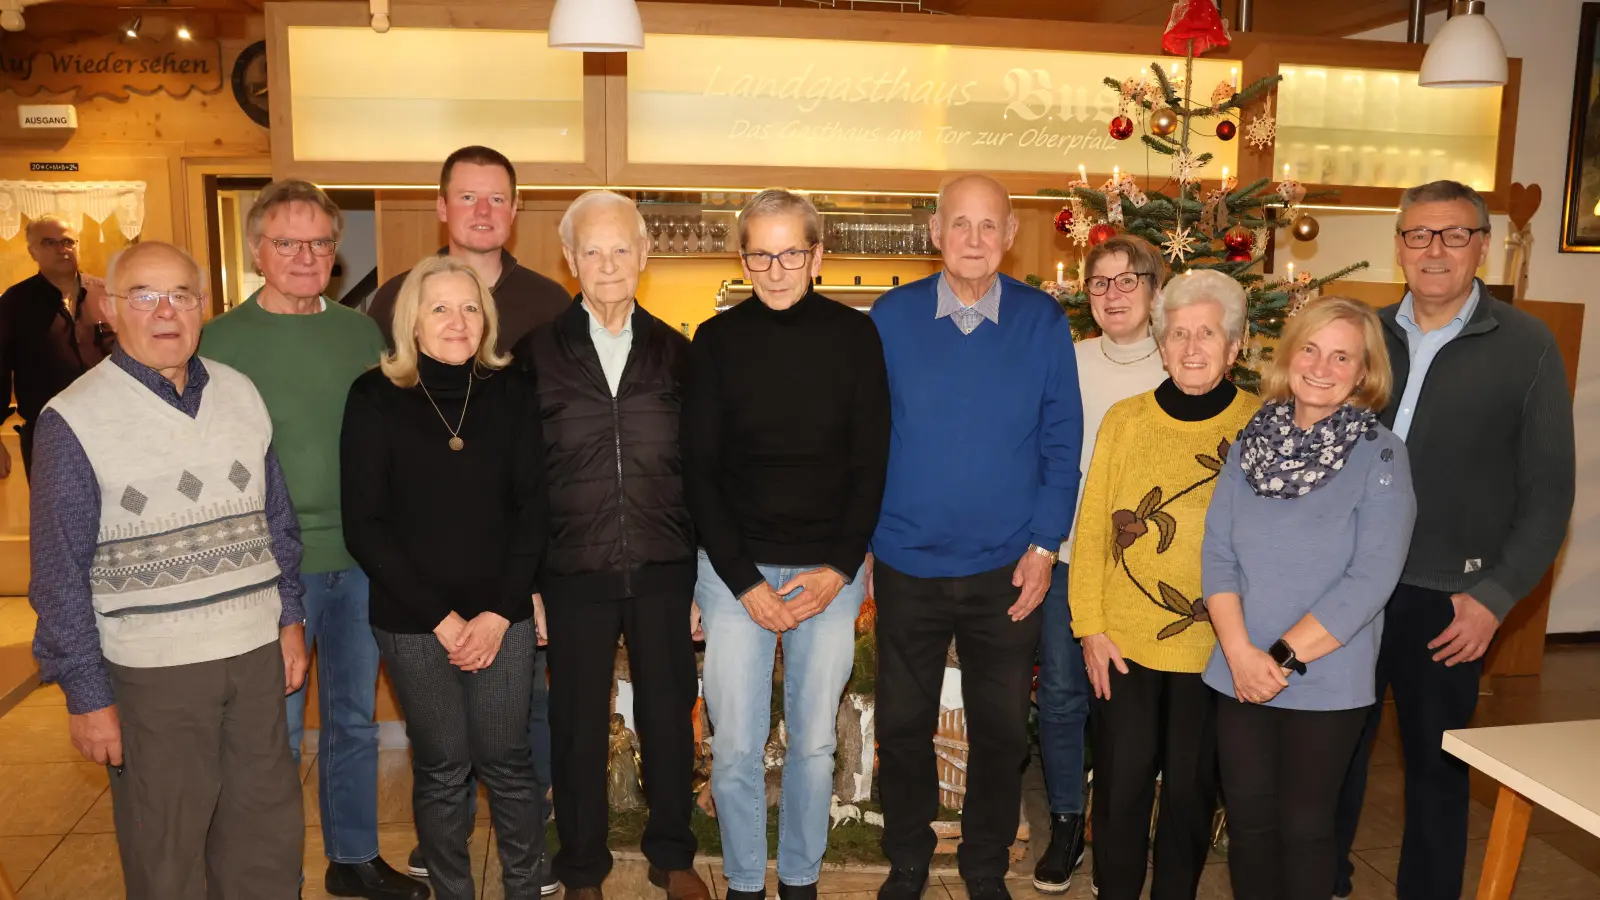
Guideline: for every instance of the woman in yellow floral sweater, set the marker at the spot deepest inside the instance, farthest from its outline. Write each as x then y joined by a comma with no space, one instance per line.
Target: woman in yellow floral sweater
1136,598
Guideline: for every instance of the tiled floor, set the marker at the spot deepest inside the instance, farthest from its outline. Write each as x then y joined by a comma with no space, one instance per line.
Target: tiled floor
56,841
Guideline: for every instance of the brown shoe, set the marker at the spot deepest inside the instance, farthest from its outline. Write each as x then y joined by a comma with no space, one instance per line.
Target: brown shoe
585,893
680,884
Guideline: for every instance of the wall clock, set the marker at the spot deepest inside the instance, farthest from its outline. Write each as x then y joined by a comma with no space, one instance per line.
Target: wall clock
250,83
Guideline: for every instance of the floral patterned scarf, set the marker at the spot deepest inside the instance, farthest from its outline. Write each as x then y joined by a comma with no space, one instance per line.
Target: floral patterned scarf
1281,460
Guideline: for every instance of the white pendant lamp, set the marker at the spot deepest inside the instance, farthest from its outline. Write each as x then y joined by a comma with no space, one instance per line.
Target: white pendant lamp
598,26
1467,53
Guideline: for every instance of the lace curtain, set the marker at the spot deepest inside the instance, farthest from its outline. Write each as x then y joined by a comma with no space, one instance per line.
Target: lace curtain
73,201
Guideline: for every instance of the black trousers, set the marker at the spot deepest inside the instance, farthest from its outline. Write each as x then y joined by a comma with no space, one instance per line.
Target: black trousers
1155,722
582,653
917,617
461,723
1430,698
1281,774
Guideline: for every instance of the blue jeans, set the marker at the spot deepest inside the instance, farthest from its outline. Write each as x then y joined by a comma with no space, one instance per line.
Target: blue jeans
347,684
817,658
1063,701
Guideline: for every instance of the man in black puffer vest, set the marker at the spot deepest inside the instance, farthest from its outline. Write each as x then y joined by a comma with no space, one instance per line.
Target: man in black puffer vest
621,553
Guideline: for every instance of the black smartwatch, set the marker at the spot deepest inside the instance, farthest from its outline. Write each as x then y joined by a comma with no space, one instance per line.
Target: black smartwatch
1283,655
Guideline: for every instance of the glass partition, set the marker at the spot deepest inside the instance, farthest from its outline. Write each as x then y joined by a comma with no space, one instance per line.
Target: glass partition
416,94
1376,128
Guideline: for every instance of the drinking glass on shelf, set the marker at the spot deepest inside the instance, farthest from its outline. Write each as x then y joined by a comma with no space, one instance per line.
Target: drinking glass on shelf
699,229
680,232
655,225
719,234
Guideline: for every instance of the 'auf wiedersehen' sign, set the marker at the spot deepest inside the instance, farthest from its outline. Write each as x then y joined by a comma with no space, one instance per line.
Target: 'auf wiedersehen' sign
108,67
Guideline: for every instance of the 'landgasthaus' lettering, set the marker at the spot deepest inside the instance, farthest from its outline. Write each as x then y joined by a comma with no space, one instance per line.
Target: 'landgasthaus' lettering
809,92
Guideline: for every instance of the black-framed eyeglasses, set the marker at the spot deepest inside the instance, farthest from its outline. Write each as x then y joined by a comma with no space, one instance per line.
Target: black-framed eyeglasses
788,259
59,243
1125,282
145,301
1455,237
291,247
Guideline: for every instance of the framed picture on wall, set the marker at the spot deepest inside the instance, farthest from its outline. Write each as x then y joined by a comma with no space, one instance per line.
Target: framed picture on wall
1580,225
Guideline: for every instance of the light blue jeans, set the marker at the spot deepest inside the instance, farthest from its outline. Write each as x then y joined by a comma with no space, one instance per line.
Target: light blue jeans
817,658
347,686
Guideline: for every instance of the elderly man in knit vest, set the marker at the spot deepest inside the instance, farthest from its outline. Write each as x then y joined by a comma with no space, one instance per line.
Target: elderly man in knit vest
166,563
983,476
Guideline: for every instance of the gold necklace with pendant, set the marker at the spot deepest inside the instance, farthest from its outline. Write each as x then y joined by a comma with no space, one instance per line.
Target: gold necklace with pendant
456,443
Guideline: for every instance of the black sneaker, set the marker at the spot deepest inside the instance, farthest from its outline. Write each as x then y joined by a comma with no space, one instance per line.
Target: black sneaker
734,894
987,889
547,883
904,884
374,880
416,865
797,891
1053,874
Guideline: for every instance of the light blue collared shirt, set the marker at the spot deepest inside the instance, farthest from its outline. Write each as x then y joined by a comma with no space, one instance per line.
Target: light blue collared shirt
968,318
611,348
1423,347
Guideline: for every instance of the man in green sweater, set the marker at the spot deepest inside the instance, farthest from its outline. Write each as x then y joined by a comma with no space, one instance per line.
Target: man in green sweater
303,352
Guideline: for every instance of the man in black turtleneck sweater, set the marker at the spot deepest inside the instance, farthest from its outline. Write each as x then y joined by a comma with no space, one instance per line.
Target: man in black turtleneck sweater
785,446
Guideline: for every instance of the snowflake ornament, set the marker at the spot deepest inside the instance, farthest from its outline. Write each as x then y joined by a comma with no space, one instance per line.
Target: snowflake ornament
1179,245
1081,226
1262,132
1185,168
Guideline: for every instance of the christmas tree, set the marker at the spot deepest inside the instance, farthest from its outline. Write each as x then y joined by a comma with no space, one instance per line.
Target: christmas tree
1226,228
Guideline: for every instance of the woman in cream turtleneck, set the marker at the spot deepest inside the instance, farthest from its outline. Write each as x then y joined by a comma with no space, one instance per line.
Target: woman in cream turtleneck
1123,274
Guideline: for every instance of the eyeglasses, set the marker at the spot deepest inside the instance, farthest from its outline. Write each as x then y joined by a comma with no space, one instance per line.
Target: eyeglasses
145,301
59,243
788,259
1126,282
1454,237
291,247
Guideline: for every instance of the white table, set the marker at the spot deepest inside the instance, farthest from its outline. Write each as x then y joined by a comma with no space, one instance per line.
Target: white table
1552,765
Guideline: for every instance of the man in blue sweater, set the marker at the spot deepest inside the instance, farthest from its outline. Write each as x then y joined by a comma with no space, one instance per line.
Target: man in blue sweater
983,476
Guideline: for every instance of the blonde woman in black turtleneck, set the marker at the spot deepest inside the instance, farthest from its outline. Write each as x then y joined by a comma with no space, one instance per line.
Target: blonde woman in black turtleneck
445,508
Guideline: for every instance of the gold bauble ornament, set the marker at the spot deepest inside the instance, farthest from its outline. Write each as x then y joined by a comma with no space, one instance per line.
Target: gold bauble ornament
1305,228
1164,121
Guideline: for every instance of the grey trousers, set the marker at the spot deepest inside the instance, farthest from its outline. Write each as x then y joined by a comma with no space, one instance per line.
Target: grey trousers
207,803
461,724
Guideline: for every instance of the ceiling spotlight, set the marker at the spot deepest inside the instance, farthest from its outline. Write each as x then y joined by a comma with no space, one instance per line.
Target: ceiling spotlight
183,33
132,30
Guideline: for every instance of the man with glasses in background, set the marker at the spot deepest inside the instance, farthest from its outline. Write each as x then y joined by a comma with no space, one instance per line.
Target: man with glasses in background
1481,401
303,352
49,325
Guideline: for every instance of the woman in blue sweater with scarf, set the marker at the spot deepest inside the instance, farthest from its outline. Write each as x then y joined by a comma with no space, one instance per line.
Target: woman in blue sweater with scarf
1305,540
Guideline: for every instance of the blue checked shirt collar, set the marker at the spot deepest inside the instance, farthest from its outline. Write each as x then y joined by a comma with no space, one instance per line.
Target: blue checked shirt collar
968,318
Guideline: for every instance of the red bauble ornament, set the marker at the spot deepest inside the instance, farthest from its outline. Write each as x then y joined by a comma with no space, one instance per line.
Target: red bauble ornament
1239,256
1121,128
1197,21
1101,233
1064,220
1239,239
1226,130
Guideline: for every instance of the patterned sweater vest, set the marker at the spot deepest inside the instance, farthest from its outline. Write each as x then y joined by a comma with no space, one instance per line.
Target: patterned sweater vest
183,571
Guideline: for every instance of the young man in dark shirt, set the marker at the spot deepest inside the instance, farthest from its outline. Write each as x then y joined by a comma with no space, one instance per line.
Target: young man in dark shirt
47,327
478,204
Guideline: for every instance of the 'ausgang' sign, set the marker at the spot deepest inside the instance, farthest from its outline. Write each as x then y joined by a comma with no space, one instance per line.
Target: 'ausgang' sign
107,67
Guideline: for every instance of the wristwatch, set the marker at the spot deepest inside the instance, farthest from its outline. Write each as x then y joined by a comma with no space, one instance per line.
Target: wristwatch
1283,655
1055,556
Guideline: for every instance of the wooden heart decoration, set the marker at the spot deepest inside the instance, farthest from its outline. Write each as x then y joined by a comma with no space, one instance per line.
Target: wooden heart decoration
1525,202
